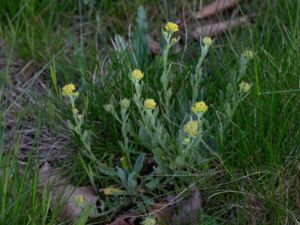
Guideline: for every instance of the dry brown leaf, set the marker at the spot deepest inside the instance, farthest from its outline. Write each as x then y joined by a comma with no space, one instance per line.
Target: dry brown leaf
154,47
111,190
74,199
215,7
219,28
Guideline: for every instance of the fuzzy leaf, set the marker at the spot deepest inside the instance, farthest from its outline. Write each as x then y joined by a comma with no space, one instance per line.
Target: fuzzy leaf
122,176
153,183
131,183
139,163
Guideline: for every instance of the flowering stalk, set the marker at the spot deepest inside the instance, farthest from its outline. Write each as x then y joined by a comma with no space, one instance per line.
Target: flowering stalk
76,126
247,55
145,110
125,103
192,133
152,132
157,133
170,29
198,77
236,91
153,126
125,128
243,86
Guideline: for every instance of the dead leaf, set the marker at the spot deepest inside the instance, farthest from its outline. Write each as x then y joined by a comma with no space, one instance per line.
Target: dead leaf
73,209
219,28
154,47
111,190
74,200
215,7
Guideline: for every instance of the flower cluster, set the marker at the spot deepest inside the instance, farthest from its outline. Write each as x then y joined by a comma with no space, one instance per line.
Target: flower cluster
199,107
174,41
149,103
68,89
186,140
171,27
125,103
207,41
248,54
137,74
79,200
244,87
191,128
149,221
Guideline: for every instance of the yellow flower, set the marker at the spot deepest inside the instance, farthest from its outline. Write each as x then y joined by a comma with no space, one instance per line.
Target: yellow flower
125,103
79,200
248,54
174,40
68,89
191,128
149,103
207,41
186,140
124,162
137,74
171,27
149,221
199,107
244,87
